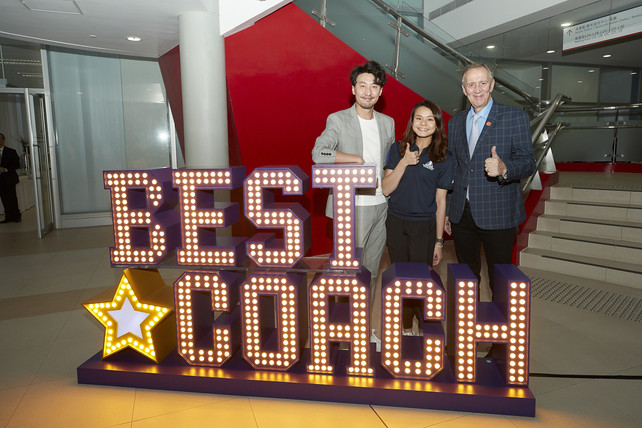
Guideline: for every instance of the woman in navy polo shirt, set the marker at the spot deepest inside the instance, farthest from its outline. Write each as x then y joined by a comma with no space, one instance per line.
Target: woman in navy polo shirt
418,174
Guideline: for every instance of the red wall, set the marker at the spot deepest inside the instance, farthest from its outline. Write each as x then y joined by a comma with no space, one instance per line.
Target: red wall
534,204
285,75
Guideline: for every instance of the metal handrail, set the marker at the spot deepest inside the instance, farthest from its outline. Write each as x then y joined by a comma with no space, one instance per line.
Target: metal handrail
543,118
549,141
556,106
464,59
540,123
322,15
603,108
614,126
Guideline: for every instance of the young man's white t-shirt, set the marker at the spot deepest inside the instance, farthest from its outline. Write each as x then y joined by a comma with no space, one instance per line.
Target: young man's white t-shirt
371,156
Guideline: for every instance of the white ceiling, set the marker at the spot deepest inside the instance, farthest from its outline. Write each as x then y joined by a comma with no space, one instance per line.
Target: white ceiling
529,37
97,25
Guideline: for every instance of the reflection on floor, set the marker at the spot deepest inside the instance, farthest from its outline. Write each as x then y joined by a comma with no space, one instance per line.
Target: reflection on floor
45,334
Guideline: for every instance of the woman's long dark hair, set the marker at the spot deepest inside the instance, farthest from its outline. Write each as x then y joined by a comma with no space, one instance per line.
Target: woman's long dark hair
438,148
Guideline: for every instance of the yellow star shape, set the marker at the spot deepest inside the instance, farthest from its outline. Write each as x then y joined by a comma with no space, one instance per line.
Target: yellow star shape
138,316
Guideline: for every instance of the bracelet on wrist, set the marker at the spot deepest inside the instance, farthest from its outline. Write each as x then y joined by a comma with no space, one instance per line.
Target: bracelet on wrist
439,240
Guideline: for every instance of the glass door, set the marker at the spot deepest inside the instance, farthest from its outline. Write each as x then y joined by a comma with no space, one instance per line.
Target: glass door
40,161
23,121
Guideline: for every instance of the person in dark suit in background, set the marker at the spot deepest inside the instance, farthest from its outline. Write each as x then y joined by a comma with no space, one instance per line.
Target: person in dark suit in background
9,163
493,151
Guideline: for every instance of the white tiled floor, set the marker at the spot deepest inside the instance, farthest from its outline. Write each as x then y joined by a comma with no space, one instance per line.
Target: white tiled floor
45,334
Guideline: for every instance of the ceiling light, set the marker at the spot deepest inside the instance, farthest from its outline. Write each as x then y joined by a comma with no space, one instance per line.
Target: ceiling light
544,68
490,47
591,71
550,51
606,56
134,38
565,24
580,81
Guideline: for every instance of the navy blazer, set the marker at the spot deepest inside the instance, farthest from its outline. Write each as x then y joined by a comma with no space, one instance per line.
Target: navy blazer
494,203
11,162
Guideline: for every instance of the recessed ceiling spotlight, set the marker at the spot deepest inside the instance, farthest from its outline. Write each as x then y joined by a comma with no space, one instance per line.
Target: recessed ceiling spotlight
544,68
550,51
591,71
134,38
490,47
580,81
565,24
634,72
606,56
93,36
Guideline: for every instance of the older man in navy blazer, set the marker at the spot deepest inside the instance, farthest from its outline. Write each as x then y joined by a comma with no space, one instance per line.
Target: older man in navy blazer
492,146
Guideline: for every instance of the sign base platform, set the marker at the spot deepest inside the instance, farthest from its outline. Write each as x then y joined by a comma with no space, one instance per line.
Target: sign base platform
488,395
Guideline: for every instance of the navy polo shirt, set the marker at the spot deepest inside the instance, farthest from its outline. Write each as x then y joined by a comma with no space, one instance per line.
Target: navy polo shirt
414,197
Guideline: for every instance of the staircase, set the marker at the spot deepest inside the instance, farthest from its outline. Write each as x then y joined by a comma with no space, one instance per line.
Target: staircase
591,229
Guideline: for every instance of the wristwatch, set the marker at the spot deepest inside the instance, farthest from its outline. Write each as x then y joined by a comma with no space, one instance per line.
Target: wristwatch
504,176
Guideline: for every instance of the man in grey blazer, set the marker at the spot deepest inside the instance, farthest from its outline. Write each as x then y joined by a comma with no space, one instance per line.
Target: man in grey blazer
360,135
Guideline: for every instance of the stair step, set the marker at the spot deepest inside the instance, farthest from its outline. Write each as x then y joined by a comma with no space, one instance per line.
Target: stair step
598,269
601,248
610,196
591,229
600,228
594,210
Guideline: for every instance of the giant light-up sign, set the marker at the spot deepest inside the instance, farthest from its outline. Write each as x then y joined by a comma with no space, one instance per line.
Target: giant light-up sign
245,307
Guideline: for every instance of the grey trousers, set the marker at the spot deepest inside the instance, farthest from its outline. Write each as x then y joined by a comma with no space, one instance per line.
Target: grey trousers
370,222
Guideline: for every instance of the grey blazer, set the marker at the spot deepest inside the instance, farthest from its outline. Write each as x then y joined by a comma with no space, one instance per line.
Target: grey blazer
343,133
